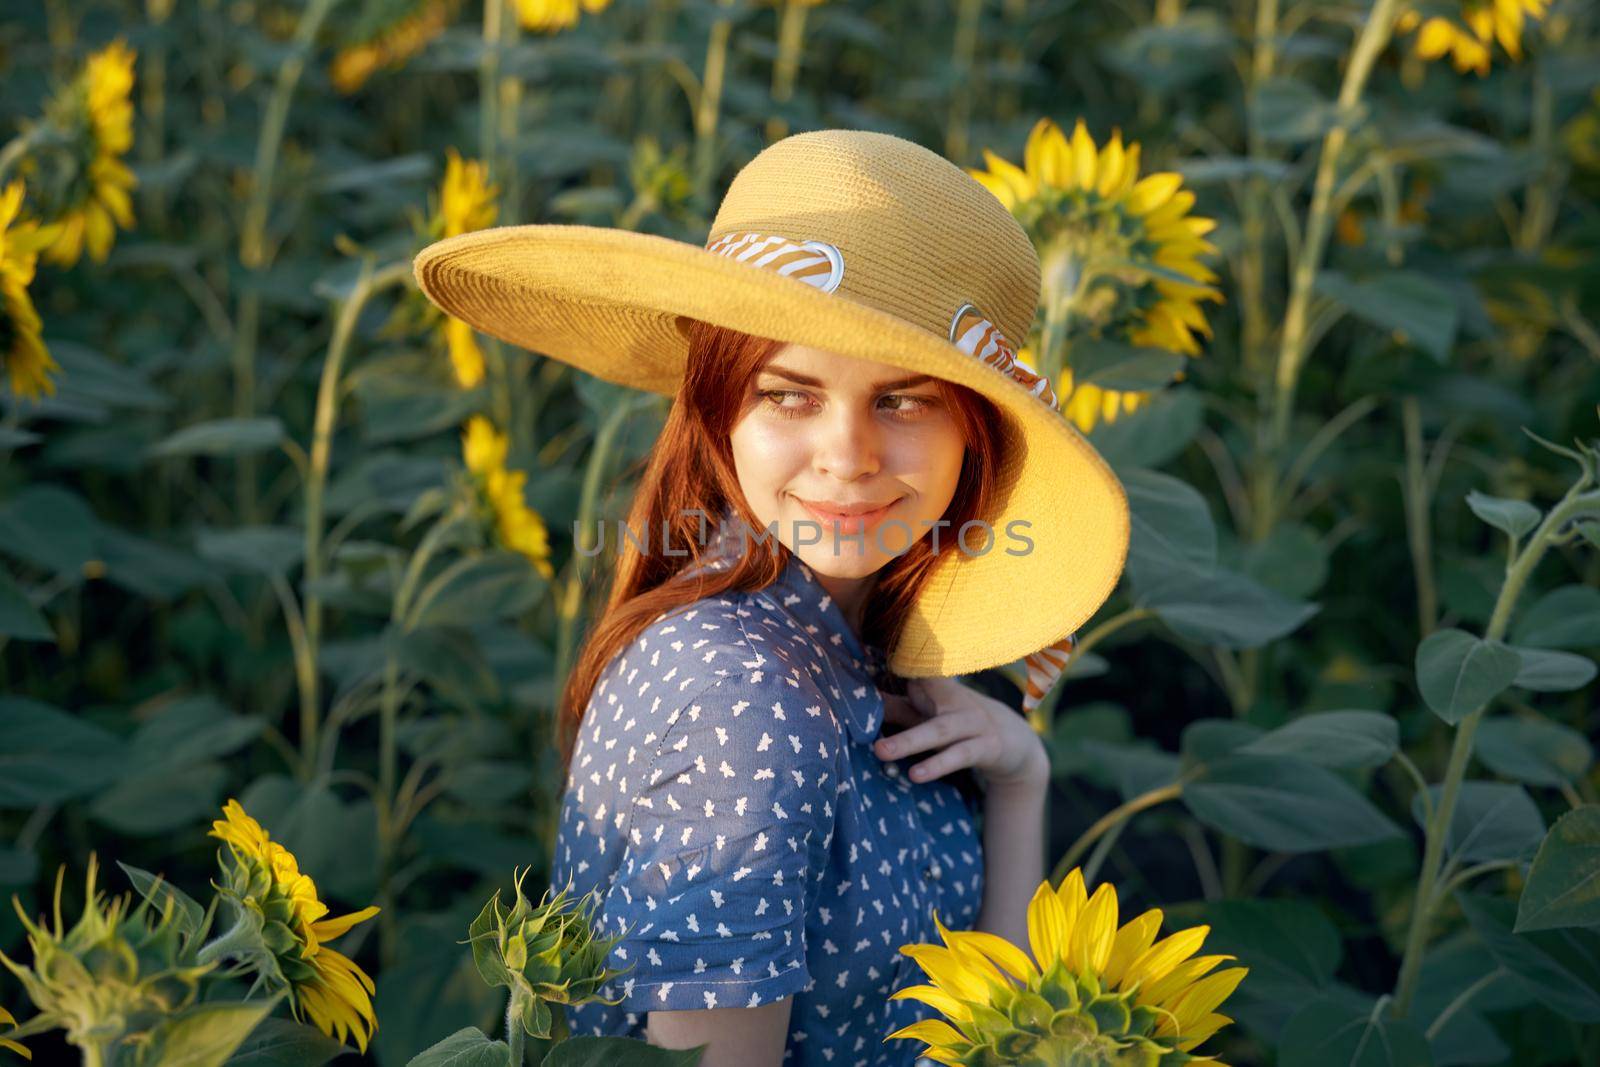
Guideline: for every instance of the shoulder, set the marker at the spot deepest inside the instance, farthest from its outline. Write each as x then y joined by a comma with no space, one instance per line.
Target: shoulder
702,666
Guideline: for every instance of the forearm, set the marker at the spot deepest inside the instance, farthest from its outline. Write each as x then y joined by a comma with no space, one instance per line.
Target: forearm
1013,856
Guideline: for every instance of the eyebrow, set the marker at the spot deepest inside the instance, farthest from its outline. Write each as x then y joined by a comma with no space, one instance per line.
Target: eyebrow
802,379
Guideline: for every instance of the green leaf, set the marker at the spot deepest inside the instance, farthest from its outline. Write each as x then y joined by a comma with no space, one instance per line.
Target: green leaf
1458,673
222,437
18,617
1152,434
188,730
49,527
1515,517
478,589
1536,751
159,801
264,550
1171,524
468,1047
1343,739
1405,302
335,842
1548,671
207,1034
1491,821
1291,560
187,912
1098,721
1132,769
1290,946
619,1052
88,375
1562,967
1122,367
1563,887
1344,1031
1288,110
1210,740
149,568
282,1043
48,756
1225,608
1284,804
1568,617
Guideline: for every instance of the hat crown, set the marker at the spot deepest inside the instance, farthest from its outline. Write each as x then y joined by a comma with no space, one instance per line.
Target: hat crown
919,238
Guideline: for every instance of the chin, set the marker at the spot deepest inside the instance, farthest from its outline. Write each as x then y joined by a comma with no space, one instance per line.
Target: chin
848,563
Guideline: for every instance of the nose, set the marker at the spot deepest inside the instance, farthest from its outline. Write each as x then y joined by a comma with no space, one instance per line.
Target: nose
848,444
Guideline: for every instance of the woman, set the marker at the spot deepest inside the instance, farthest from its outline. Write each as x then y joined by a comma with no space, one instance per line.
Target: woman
764,808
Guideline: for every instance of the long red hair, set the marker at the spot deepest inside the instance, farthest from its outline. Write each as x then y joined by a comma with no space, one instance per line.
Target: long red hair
690,469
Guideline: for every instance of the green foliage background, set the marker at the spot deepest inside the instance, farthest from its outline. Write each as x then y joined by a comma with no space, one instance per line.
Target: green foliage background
1317,613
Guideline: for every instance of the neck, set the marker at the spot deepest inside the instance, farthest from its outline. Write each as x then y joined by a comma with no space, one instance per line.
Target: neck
851,595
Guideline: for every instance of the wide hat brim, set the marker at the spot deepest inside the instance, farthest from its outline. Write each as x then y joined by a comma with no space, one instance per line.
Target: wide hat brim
614,303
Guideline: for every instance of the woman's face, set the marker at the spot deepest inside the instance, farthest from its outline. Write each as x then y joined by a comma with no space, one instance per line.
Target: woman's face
823,429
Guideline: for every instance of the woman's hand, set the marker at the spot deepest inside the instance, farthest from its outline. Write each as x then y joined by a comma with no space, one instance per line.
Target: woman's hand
967,729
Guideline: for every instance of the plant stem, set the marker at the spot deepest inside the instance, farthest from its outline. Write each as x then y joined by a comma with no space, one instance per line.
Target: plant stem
1111,819
791,35
252,241
1575,503
367,284
1292,349
514,1034
968,13
1418,523
709,104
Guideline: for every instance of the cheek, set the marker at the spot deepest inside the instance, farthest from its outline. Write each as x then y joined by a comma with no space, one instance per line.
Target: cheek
764,455
930,458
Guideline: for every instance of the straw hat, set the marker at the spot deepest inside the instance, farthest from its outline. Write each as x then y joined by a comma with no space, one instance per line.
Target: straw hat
871,246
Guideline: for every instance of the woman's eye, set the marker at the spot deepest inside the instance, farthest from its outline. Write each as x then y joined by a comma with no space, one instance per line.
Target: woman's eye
899,405
786,410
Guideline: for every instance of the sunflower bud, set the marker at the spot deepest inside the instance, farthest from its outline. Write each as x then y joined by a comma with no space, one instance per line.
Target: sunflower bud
112,978
544,953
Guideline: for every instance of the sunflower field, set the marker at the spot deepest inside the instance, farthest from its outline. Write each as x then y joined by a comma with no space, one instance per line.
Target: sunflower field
291,569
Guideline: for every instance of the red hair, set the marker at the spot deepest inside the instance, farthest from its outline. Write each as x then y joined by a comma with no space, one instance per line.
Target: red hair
690,469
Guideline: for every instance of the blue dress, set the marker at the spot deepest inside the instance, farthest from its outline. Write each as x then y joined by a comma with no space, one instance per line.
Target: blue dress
725,806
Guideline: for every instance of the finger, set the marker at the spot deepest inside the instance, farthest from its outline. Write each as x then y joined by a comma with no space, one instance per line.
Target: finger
936,732
966,753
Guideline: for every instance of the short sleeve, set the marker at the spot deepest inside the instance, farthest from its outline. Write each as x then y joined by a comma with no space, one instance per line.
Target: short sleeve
724,841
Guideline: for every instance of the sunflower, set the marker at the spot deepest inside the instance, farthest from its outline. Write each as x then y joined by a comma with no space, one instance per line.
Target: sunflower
466,203
391,45
325,985
1468,38
7,1019
550,16
92,188
518,527
1119,255
1090,993
26,361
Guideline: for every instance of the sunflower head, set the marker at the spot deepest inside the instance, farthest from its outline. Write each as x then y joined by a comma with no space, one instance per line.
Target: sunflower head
552,16
281,929
498,494
25,362
1089,993
74,164
386,39
1119,254
545,953
110,978
1468,34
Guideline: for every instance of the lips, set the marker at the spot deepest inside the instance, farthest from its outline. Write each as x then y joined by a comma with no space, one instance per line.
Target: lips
848,522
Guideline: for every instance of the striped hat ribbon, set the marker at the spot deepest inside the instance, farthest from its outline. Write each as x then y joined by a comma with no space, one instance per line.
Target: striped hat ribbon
821,265
1044,667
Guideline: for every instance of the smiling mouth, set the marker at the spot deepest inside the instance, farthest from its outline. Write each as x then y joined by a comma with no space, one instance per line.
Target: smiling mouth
856,523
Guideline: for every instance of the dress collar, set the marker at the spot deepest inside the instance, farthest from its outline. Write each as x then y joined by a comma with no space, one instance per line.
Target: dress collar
858,667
